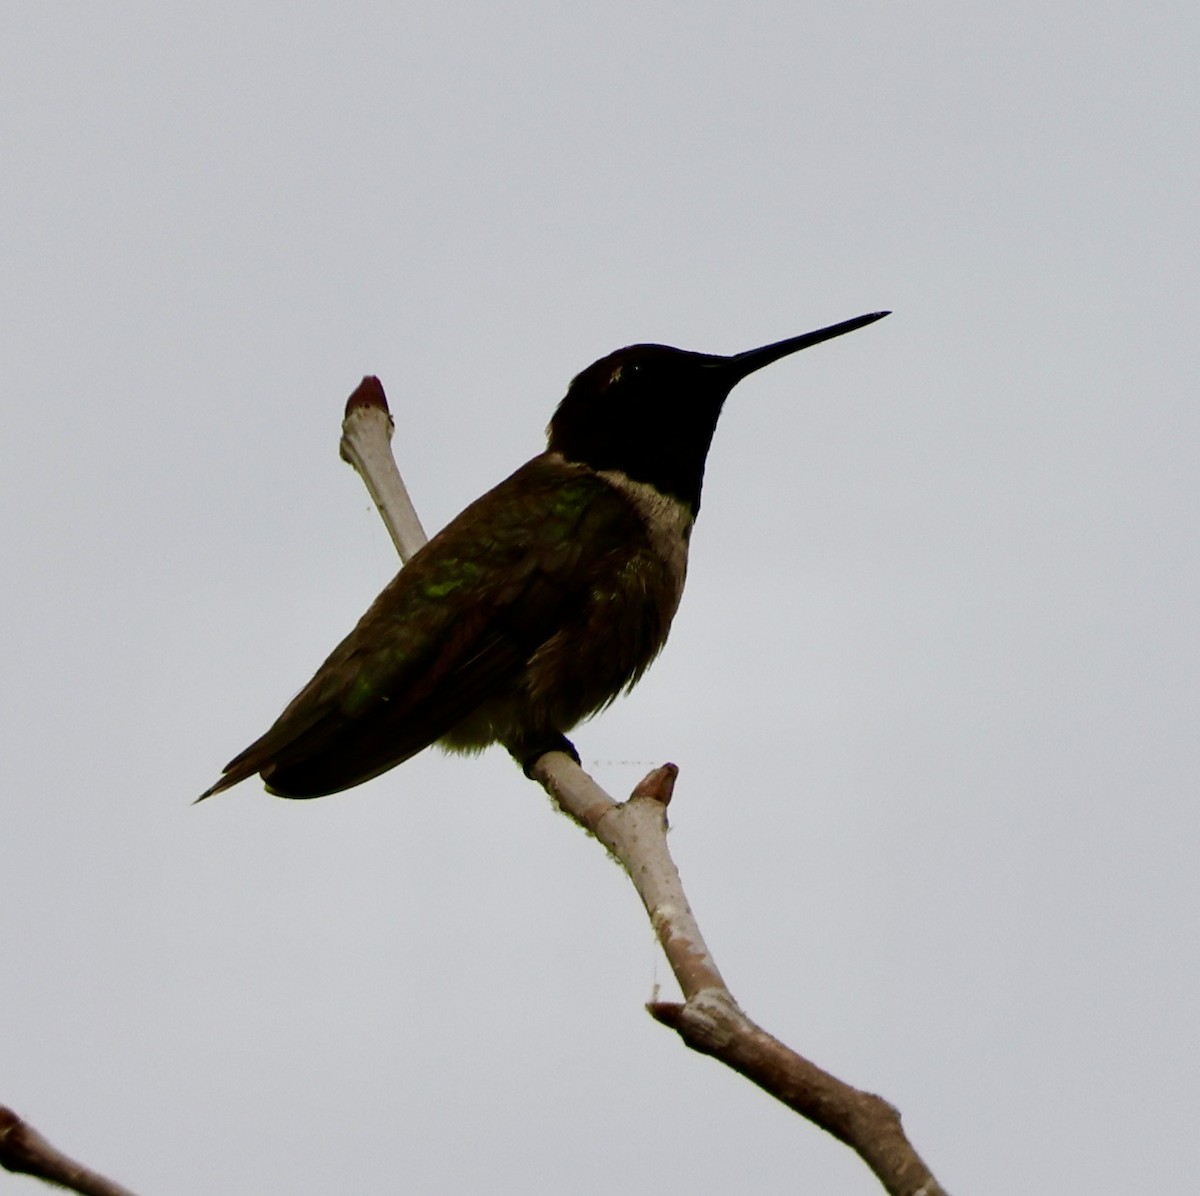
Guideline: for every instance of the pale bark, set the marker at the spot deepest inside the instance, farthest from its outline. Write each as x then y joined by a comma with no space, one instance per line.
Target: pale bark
635,832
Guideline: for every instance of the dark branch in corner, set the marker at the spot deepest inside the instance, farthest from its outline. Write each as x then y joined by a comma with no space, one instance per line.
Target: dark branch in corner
24,1151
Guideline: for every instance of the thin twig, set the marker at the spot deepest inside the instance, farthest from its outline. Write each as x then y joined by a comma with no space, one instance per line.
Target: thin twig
635,831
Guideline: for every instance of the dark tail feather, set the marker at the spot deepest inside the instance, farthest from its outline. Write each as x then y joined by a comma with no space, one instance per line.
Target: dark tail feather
233,775
282,743
258,757
223,783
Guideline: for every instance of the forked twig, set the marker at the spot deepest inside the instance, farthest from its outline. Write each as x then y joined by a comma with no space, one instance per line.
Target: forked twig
708,1020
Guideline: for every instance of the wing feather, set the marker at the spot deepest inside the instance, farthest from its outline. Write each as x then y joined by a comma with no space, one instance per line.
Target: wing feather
456,626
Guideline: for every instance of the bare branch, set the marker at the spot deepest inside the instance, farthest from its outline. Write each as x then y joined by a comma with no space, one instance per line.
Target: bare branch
635,832
367,445
710,1020
24,1151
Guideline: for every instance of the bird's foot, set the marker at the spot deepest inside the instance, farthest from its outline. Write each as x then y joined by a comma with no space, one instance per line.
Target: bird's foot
529,751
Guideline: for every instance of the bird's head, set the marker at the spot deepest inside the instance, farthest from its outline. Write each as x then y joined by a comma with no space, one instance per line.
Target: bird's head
650,411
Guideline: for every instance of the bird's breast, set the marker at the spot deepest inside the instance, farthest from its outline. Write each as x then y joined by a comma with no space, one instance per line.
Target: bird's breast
667,520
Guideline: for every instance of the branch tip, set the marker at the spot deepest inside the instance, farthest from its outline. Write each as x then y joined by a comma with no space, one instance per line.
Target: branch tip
368,393
658,785
667,1013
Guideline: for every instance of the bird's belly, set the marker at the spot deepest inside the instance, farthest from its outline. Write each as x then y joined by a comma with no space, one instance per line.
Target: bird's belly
581,668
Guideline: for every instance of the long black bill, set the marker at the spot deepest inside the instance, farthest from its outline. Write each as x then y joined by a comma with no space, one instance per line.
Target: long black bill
745,363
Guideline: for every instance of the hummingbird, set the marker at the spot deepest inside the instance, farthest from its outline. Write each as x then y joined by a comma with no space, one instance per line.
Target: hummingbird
542,601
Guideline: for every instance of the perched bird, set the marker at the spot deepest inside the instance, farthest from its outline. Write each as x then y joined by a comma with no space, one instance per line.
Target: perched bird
542,601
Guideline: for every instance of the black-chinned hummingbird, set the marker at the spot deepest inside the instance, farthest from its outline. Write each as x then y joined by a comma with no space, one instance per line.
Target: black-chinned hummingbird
542,601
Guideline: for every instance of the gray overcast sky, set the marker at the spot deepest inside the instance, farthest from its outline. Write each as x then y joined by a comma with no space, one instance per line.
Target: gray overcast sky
933,688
